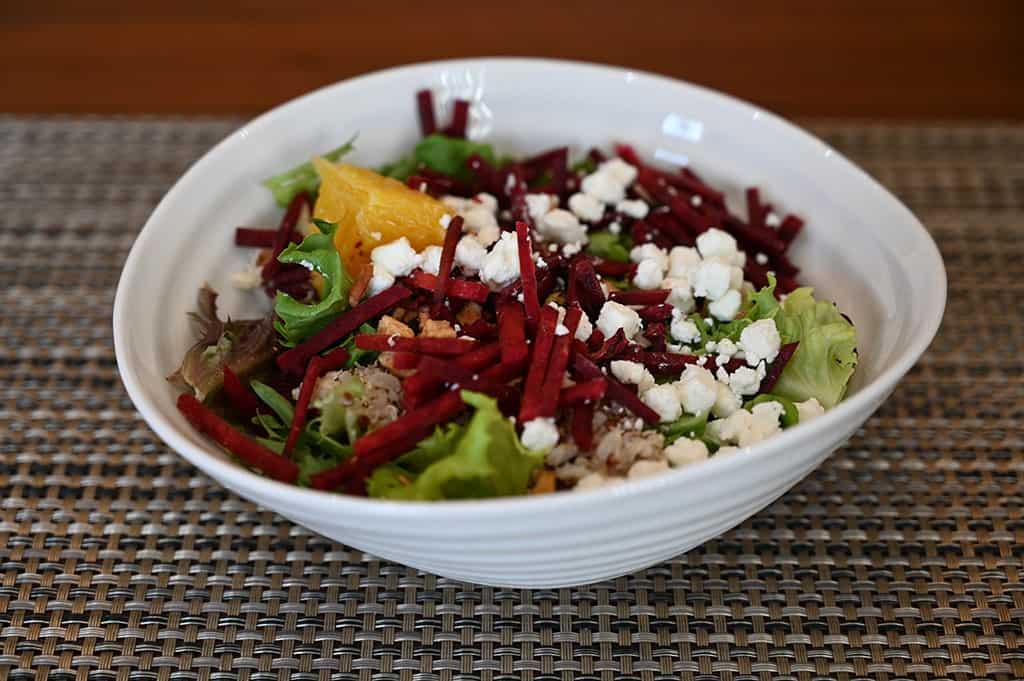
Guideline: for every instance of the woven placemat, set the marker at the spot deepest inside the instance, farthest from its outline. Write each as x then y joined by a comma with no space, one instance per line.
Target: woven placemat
901,557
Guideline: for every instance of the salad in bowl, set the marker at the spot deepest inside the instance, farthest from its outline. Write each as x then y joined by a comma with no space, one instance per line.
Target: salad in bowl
464,324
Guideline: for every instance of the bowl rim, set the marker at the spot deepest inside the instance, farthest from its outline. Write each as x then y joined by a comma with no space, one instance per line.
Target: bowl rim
222,468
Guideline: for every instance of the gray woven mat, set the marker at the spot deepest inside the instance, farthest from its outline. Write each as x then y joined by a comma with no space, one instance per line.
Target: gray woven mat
901,557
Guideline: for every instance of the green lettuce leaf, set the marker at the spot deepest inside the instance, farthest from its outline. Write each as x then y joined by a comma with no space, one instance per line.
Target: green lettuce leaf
762,304
482,459
610,246
358,356
446,155
297,321
687,425
303,177
585,166
790,415
826,357
315,451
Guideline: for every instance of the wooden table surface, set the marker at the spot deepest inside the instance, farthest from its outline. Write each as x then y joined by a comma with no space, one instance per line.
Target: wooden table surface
957,59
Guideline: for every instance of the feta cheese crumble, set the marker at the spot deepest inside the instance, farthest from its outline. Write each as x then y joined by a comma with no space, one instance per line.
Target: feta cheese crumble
634,208
561,226
398,257
648,275
501,266
685,451
761,341
615,316
586,207
539,434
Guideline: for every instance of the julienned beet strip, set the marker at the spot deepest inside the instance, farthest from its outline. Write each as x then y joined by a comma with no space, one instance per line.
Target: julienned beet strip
460,119
527,273
771,376
425,106
583,393
317,367
558,362
542,343
241,398
256,237
294,360
512,331
403,434
420,386
613,268
616,391
582,426
246,450
284,232
665,362
444,273
587,289
463,289
639,297
387,442
423,345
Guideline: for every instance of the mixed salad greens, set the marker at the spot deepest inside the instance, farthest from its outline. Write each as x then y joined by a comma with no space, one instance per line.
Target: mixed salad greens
462,325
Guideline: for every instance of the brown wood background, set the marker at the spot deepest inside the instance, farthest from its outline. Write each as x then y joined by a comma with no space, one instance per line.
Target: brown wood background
958,59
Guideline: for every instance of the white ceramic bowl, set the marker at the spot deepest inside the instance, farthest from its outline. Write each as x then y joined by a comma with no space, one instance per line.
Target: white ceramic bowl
861,247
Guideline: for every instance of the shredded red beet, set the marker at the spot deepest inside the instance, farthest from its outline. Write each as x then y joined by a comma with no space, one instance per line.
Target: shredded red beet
790,228
616,391
420,387
512,331
640,232
686,180
480,329
775,369
656,313
668,363
433,185
558,362
248,451
460,119
482,357
317,367
301,202
583,426
756,211
754,239
239,396
446,371
390,441
294,360
582,393
403,361
463,289
639,297
257,237
588,291
421,345
527,273
514,189
613,268
451,239
542,344
665,223
425,106
610,348
656,333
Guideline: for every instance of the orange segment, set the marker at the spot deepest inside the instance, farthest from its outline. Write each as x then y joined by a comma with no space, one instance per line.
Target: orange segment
371,210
